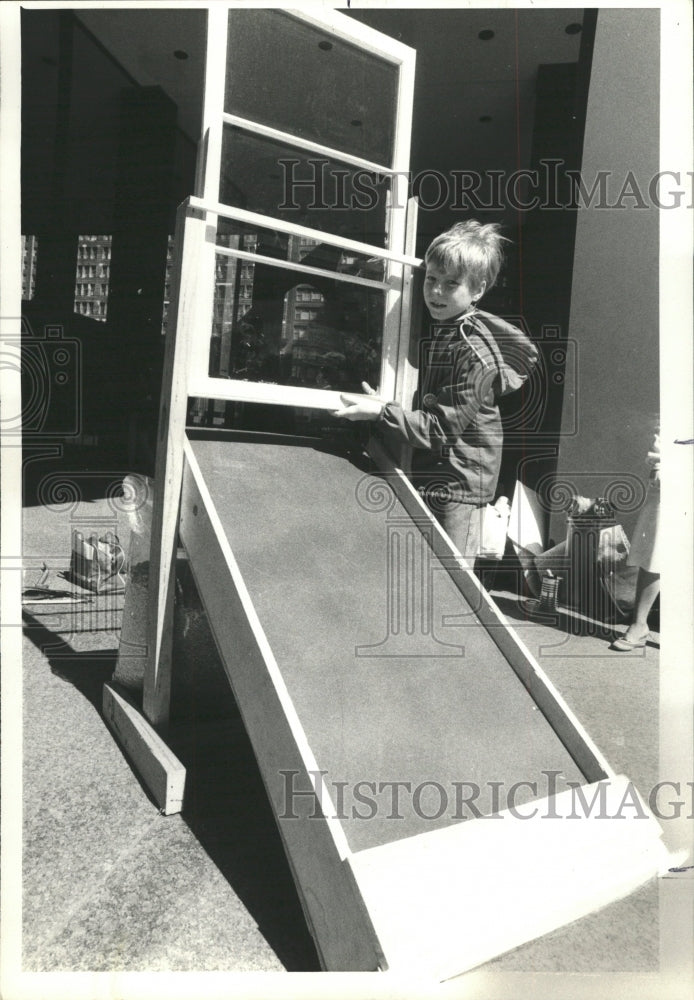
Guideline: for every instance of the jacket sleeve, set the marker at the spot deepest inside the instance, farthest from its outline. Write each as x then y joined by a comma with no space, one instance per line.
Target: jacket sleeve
447,413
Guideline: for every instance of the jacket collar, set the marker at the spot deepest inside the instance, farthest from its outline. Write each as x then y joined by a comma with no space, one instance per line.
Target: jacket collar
453,325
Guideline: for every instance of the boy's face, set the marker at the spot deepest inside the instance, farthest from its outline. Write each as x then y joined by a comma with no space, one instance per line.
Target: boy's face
448,294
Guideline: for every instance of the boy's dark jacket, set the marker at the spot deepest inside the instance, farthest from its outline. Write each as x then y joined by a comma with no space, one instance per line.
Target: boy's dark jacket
455,426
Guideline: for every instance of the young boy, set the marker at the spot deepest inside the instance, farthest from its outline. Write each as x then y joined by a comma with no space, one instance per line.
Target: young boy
470,359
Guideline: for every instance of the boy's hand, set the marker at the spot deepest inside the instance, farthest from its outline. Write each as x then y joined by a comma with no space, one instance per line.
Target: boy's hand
358,408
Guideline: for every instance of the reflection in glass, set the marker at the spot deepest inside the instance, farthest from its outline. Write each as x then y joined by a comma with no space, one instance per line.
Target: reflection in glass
275,325
283,182
92,276
299,79
297,249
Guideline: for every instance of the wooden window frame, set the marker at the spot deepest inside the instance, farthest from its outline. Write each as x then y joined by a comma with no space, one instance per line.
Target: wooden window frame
397,255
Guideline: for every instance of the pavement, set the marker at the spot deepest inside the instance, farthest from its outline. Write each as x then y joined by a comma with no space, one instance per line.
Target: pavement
110,885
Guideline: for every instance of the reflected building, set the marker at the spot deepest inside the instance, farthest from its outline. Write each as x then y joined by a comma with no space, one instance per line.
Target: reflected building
92,276
30,245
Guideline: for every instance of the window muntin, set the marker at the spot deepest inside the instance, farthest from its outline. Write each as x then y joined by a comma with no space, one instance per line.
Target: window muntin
295,248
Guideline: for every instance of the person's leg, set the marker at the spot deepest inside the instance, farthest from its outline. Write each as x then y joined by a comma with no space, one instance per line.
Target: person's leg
647,589
462,523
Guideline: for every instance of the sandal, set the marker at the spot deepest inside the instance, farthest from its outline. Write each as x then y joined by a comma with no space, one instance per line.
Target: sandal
625,645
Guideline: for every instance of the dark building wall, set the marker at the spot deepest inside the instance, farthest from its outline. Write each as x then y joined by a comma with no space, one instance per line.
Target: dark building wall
611,398
101,156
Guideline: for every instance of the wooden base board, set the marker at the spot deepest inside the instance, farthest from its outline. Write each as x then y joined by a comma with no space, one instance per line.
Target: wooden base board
445,902
158,767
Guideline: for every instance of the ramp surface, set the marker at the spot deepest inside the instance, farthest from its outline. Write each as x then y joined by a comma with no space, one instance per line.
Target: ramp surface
406,703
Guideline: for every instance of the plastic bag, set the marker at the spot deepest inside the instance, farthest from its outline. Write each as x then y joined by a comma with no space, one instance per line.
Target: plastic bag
97,564
494,529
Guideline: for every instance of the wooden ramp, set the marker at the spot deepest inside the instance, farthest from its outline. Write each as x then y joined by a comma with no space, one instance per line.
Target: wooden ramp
425,775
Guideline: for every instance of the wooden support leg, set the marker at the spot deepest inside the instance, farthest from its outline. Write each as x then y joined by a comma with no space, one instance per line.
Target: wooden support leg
190,232
140,733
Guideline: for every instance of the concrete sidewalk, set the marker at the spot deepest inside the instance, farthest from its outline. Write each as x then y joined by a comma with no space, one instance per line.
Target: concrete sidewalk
111,885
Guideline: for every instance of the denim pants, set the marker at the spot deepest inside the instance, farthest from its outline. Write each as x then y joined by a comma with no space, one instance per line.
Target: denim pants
462,522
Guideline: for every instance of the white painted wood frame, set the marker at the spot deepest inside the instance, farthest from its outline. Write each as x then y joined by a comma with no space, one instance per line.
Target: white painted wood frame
183,316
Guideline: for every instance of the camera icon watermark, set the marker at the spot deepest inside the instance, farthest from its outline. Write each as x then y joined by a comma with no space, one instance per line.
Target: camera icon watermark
50,367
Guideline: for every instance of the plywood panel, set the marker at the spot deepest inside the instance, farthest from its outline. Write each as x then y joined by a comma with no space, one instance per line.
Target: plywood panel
390,686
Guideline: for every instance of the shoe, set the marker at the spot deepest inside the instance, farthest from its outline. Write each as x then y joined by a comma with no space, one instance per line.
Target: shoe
624,645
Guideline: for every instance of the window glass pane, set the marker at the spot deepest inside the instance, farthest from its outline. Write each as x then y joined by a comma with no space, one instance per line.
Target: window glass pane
304,80
298,249
272,179
272,325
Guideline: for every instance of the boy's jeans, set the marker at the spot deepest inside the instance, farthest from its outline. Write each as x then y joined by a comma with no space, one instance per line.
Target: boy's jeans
462,522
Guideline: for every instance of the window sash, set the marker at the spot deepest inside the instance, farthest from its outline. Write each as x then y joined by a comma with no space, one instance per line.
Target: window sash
207,200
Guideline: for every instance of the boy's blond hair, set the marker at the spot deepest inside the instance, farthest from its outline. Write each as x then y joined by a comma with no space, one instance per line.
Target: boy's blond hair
471,249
